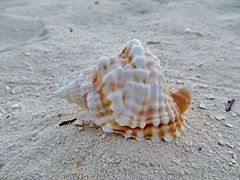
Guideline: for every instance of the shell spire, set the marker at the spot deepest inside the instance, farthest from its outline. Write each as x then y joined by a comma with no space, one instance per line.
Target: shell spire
128,95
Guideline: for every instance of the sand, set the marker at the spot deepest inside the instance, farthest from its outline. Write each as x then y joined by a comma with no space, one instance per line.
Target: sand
45,45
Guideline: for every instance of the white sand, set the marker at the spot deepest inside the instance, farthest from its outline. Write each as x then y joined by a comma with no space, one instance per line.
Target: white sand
199,42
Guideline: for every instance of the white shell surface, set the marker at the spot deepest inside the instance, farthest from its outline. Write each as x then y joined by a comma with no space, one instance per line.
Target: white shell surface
128,92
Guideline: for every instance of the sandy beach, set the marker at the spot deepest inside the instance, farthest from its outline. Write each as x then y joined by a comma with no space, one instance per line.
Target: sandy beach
45,45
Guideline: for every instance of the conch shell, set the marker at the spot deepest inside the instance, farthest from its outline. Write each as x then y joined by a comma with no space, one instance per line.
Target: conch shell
128,95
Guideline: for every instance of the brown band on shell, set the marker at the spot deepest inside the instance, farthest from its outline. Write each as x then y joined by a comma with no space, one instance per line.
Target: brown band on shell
162,130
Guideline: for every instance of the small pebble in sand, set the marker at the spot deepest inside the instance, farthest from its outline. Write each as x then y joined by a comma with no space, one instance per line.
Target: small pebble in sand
80,128
79,123
202,86
210,97
202,106
188,30
234,114
220,142
27,54
189,143
228,125
76,150
180,82
16,106
219,117
78,162
230,145
43,114
74,173
153,42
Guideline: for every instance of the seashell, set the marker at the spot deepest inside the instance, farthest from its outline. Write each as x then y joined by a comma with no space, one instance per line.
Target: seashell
129,95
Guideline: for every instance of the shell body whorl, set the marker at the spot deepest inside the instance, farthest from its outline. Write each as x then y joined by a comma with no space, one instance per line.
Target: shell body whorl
128,94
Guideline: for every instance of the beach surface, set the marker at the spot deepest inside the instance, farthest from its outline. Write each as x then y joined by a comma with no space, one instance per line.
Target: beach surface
45,45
